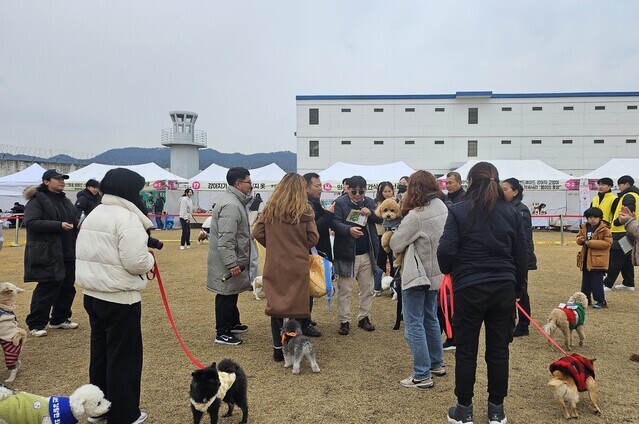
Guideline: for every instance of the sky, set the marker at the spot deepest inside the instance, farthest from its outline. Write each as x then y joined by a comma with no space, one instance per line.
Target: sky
83,77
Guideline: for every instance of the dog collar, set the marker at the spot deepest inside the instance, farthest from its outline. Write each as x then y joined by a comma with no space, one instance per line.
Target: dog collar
226,381
288,335
60,411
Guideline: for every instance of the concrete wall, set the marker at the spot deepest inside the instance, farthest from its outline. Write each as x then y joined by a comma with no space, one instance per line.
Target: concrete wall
8,167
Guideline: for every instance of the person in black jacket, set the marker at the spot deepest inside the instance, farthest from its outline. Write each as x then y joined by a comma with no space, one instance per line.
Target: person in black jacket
484,249
88,198
158,209
355,250
49,255
514,193
454,187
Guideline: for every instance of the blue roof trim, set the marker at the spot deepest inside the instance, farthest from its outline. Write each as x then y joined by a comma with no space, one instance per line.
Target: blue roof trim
470,93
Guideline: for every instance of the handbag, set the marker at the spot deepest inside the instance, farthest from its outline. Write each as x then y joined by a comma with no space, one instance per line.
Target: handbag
320,275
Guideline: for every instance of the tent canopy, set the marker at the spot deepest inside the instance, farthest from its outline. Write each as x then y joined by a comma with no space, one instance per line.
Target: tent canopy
150,171
614,169
371,173
22,179
267,174
213,172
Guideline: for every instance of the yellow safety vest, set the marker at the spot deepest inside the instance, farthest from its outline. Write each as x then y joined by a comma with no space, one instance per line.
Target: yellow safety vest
621,228
605,205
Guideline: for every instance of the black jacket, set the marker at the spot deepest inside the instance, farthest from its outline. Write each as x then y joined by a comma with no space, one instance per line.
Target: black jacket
474,253
454,198
323,220
48,245
344,246
86,202
527,221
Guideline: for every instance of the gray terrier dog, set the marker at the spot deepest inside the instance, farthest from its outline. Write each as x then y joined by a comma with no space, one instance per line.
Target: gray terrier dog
295,346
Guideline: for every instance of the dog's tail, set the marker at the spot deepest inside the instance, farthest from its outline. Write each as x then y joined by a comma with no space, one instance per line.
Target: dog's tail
228,365
550,327
555,382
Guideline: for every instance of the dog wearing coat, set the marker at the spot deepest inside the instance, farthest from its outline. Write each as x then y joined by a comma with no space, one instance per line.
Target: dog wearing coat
391,213
25,408
569,317
295,346
571,375
11,336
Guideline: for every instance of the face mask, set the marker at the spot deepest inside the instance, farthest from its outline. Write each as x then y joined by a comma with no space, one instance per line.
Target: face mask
401,188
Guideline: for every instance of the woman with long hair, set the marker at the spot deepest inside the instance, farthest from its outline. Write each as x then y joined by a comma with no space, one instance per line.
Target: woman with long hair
385,191
286,228
514,193
418,237
484,249
186,210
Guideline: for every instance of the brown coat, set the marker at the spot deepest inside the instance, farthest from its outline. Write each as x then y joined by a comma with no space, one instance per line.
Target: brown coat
598,248
286,269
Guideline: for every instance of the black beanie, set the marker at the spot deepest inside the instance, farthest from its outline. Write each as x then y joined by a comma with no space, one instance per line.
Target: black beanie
607,181
126,184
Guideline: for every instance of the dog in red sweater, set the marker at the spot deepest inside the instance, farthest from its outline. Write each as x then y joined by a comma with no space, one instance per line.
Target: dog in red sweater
571,375
569,317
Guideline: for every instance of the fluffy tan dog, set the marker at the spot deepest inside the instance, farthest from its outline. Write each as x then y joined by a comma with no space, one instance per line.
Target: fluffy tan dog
568,317
571,375
258,287
11,336
391,213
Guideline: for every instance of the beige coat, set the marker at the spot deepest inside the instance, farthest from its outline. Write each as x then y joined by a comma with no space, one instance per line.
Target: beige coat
632,228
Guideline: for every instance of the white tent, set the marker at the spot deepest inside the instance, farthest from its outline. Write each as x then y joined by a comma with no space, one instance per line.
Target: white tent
214,173
373,174
269,174
150,171
12,186
614,169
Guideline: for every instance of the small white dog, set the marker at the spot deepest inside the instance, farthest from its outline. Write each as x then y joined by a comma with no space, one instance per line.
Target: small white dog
11,336
33,409
257,287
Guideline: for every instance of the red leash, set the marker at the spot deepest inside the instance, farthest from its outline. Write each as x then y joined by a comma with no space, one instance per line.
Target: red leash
156,273
550,339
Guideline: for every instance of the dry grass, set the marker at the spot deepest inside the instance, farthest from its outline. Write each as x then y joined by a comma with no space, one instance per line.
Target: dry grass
360,372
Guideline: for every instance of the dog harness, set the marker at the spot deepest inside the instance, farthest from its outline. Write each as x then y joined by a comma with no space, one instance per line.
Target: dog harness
578,367
226,381
26,408
576,315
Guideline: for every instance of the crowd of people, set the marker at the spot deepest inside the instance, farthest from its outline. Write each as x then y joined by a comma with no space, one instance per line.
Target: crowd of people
481,236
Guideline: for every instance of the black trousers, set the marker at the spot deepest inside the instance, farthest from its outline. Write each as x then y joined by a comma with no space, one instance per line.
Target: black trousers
382,257
620,262
52,298
592,283
116,356
524,302
491,304
186,233
227,315
276,329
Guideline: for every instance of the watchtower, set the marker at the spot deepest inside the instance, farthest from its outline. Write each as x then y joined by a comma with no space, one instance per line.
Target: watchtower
185,143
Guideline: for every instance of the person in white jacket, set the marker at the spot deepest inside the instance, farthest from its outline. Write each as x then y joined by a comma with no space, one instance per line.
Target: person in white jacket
111,264
186,210
418,237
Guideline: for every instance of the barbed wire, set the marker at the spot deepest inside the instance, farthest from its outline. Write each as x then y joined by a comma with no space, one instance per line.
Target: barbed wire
42,152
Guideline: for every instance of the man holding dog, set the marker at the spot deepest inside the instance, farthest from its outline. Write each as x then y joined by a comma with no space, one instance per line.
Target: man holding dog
355,250
229,255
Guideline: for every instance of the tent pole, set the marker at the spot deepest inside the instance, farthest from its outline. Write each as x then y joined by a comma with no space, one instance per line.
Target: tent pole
15,243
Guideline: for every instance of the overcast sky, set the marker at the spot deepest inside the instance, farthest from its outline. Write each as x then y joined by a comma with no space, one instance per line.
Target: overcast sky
87,76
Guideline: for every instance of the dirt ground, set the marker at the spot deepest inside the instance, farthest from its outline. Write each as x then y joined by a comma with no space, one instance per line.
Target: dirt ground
359,382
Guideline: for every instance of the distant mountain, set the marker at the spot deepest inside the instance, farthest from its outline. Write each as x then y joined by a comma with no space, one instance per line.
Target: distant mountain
161,156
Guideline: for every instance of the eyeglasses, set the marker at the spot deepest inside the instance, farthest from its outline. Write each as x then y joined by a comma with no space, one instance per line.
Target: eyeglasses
356,192
247,182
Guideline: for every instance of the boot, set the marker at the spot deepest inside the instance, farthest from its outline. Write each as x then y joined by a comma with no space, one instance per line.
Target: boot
496,414
461,414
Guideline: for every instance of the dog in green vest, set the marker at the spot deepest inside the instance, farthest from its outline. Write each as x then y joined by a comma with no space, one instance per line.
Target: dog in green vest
569,317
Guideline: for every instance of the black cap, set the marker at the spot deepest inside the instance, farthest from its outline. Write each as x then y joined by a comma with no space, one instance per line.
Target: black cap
607,181
54,173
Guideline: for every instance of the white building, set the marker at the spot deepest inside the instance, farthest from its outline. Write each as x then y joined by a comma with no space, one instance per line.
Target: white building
572,132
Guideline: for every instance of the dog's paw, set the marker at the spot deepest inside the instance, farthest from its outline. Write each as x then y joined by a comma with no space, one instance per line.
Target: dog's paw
12,375
581,342
597,412
316,369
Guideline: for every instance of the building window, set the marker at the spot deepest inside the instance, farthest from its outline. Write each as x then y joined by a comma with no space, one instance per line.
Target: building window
631,107
313,116
506,142
599,142
472,148
536,108
346,142
409,109
568,108
566,141
631,141
600,107
439,141
378,142
313,148
535,142
346,110
409,142
506,109
439,109
378,109
473,115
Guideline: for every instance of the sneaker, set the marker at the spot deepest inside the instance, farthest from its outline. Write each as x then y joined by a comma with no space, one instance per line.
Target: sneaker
419,384
460,414
38,333
365,324
188,246
66,325
143,416
239,328
226,339
496,414
344,328
181,247
624,287
278,355
449,344
439,371
377,293
521,331
600,305
310,331
634,357
607,289
100,419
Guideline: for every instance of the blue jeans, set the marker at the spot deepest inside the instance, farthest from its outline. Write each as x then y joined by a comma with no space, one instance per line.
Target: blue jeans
422,330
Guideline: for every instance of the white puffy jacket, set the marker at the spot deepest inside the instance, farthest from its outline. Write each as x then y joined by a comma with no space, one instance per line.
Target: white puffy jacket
112,257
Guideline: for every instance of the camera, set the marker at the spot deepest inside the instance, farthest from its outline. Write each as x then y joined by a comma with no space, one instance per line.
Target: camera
154,243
